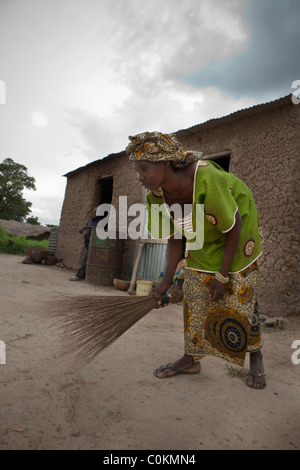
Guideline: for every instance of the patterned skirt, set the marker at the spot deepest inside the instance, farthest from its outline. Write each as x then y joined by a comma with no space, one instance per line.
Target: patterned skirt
227,328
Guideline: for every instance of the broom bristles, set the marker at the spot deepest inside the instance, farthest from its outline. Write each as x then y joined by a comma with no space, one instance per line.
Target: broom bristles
89,324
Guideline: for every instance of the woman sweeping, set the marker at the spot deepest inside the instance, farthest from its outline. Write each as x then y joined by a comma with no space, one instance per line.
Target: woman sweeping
221,317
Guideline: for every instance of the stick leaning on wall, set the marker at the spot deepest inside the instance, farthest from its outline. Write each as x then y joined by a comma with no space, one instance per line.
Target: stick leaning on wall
141,244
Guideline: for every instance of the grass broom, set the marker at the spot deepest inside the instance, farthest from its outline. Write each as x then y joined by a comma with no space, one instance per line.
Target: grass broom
89,324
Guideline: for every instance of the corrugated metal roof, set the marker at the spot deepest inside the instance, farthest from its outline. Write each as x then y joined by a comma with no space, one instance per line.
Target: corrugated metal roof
96,162
259,108
205,125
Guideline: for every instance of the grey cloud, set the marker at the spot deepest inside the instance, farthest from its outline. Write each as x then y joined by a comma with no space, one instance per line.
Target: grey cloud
270,62
97,132
156,42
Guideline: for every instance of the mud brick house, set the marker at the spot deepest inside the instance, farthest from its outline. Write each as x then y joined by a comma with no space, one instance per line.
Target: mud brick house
261,146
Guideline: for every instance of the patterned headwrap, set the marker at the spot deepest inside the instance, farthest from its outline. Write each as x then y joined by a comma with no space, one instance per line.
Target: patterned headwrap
157,147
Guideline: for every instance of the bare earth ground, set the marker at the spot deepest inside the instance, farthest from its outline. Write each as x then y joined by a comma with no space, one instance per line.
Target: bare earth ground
116,402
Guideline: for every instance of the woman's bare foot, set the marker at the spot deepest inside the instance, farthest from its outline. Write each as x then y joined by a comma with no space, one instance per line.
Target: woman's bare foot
184,365
256,377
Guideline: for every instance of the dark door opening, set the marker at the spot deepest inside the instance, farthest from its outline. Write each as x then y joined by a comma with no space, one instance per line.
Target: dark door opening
105,190
222,161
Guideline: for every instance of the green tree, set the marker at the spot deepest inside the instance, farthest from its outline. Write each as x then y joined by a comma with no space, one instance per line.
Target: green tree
13,179
33,220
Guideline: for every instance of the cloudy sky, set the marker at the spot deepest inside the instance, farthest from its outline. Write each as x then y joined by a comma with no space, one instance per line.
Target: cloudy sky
78,76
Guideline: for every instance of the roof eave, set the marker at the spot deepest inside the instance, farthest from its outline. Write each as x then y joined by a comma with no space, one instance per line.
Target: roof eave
235,116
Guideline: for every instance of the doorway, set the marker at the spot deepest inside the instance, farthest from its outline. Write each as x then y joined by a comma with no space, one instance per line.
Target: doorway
222,159
105,190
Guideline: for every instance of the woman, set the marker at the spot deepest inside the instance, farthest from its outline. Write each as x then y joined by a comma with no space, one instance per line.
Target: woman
221,317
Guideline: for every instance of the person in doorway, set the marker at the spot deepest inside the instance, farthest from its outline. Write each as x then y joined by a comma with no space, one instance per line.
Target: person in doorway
221,316
80,273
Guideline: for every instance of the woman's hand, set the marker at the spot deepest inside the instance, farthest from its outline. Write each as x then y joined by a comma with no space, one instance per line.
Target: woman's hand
157,291
175,249
217,290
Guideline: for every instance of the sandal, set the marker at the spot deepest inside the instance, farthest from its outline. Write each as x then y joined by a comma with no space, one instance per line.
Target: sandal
174,369
253,377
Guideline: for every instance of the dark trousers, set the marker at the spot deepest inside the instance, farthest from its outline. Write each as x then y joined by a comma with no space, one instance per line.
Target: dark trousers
82,264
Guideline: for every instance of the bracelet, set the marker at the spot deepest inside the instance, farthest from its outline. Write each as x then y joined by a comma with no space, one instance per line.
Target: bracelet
221,278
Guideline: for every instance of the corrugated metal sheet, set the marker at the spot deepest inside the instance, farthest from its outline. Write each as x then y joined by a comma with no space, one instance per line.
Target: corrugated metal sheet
152,261
52,241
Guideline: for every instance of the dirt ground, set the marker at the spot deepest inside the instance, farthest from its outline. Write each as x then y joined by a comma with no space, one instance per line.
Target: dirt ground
115,402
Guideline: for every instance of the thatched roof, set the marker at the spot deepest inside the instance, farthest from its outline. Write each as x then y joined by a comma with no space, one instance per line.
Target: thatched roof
14,228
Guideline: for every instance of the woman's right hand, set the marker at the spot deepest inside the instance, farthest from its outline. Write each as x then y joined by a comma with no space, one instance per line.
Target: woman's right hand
158,290
175,249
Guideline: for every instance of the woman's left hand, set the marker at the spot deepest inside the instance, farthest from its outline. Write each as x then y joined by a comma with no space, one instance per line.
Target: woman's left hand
217,290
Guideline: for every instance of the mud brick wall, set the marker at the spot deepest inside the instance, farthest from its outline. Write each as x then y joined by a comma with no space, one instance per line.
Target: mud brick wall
82,196
264,151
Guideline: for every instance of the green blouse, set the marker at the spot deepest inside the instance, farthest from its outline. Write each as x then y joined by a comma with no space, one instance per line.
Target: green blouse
217,197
